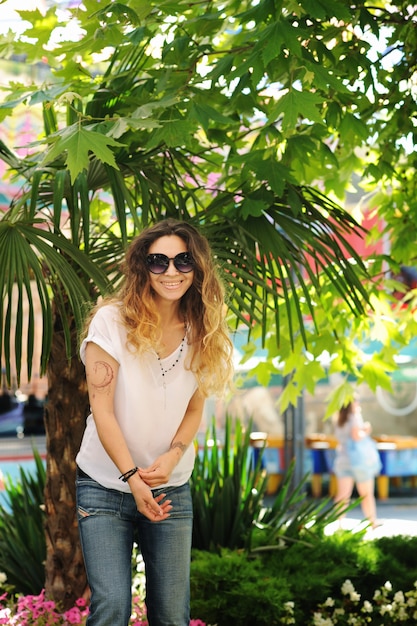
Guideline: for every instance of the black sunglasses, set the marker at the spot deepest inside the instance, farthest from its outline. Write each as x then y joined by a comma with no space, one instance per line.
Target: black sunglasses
159,263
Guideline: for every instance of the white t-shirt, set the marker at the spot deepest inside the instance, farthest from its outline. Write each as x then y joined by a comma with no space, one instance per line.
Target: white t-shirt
149,412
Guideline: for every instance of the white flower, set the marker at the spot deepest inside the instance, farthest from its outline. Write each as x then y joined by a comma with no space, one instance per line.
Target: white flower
385,608
289,605
367,607
349,590
6,614
319,620
399,597
347,587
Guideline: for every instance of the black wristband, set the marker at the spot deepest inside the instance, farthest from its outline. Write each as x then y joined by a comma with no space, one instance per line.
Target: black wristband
125,477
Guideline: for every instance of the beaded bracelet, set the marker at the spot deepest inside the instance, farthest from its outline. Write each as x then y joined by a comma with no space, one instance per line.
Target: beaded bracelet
125,477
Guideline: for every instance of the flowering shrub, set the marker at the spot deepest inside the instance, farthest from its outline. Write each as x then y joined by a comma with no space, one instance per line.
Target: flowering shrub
387,608
38,611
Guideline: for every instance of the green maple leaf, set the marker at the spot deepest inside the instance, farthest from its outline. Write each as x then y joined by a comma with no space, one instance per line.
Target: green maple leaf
78,143
173,133
296,104
289,396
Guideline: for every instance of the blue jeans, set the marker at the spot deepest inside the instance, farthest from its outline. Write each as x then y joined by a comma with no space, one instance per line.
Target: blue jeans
109,523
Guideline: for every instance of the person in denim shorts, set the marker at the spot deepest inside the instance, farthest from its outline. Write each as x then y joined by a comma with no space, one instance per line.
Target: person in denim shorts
152,353
350,428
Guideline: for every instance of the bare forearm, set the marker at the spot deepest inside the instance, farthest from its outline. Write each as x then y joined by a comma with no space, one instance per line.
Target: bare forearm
114,443
187,431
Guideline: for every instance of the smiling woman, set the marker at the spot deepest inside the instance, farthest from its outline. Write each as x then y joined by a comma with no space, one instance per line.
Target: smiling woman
171,272
152,354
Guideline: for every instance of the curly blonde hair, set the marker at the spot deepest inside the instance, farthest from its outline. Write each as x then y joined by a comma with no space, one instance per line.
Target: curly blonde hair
202,306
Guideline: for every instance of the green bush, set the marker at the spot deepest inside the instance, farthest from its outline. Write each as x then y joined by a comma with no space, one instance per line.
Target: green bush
399,555
230,589
234,587
317,571
22,532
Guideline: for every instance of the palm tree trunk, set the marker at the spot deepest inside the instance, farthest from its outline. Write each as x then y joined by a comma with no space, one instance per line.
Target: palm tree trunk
65,414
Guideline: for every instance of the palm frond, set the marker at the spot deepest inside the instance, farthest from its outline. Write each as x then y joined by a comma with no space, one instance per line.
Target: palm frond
34,260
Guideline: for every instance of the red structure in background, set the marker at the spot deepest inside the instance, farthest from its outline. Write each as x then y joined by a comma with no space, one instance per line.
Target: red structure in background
360,243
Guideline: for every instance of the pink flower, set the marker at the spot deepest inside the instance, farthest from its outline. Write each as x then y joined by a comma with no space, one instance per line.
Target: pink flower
29,609
74,616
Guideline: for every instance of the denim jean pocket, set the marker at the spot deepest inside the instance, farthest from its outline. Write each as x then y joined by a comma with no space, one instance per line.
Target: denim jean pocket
94,499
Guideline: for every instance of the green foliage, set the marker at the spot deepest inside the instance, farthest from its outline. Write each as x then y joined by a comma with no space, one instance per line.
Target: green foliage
78,144
317,571
22,532
292,516
229,489
294,94
360,351
397,555
21,265
236,117
226,586
219,115
229,588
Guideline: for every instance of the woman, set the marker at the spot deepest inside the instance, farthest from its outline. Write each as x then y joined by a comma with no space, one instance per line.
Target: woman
348,468
152,354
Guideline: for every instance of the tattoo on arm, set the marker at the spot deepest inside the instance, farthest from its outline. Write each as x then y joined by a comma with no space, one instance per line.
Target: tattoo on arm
180,445
101,376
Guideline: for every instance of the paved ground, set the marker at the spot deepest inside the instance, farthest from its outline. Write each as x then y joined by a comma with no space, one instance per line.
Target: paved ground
396,516
15,447
15,452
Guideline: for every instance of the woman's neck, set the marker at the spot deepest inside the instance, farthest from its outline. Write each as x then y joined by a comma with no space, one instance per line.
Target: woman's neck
173,332
170,316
